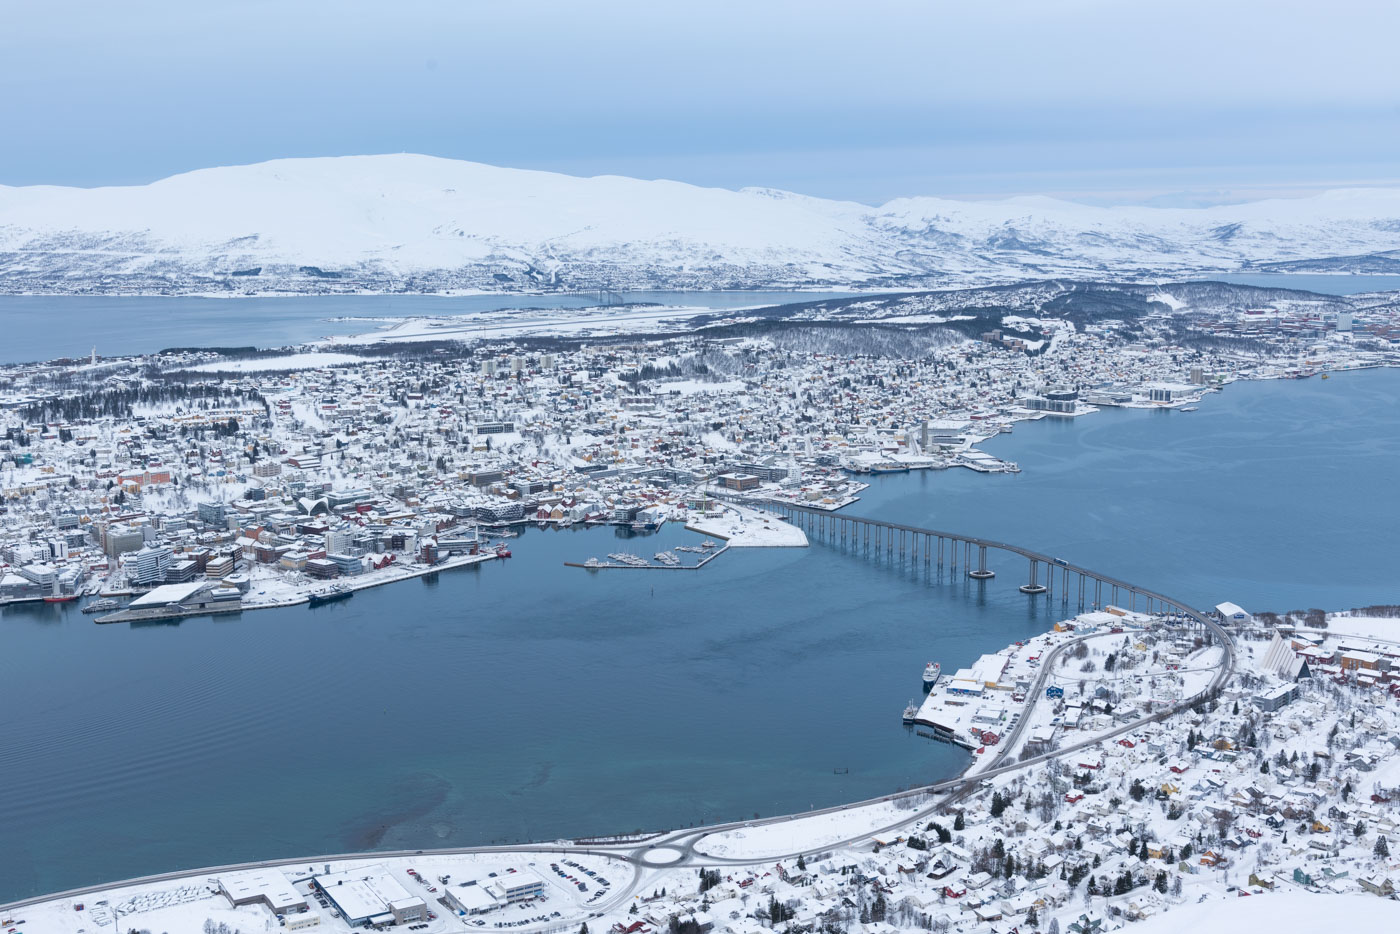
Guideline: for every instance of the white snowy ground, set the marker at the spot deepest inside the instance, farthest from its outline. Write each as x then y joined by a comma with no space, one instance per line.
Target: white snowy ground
745,527
296,361
689,387
1371,627
810,832
1281,913
528,322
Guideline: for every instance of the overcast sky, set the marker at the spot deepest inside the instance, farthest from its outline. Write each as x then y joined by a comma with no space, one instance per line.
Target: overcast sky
1132,100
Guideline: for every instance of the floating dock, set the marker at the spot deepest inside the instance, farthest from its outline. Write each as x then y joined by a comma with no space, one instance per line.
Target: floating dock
618,565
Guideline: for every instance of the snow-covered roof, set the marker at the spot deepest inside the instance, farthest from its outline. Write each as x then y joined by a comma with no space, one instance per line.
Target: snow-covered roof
167,594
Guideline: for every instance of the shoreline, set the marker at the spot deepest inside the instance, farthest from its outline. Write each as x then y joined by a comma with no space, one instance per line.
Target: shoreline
301,597
966,781
1178,275
356,583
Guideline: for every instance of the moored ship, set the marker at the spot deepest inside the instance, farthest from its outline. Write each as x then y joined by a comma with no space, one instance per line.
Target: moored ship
931,673
330,595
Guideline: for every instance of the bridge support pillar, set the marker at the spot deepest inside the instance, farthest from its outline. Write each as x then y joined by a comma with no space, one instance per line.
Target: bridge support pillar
981,572
1034,586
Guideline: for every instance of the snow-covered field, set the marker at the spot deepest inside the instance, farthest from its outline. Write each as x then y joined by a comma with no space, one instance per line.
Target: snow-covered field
745,527
1382,628
501,325
1291,912
806,833
296,361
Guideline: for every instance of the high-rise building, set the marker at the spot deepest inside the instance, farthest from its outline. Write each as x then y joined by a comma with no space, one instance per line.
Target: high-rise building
151,564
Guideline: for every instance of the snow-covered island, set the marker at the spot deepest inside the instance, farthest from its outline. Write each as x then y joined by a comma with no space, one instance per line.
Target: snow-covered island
277,475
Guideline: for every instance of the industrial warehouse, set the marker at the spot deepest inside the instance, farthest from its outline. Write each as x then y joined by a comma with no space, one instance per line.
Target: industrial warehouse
368,895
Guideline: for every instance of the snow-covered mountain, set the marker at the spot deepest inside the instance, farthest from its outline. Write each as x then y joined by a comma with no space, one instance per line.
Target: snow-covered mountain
418,223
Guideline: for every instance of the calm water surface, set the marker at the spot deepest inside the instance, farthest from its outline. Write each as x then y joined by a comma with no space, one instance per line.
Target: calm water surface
524,700
1311,282
44,327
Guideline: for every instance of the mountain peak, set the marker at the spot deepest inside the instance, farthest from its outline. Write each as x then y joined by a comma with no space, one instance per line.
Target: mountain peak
379,220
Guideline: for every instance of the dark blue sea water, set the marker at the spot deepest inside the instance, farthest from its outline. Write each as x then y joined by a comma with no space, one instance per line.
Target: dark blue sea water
524,700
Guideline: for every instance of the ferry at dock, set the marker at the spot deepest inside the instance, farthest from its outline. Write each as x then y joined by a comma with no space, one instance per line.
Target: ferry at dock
330,595
932,671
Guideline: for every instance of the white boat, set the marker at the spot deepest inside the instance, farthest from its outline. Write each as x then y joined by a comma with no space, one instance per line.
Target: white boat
592,563
910,713
931,673
1189,408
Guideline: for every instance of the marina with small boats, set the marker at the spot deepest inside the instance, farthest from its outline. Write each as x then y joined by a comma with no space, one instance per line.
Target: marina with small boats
661,561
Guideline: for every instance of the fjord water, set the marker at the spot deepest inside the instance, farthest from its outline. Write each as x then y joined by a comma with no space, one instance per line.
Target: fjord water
525,700
46,327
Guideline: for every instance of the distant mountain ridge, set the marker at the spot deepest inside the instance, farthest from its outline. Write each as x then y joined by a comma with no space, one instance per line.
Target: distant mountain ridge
421,223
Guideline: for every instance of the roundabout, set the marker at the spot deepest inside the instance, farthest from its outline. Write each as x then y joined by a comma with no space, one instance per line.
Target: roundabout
659,856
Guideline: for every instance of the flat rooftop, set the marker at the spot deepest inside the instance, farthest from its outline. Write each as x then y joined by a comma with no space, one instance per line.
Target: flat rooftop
270,884
363,892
